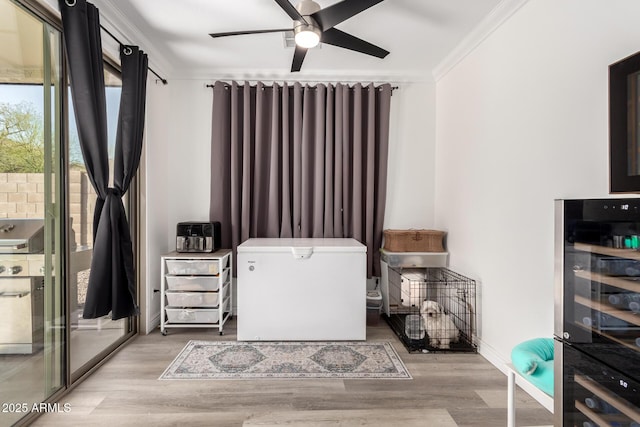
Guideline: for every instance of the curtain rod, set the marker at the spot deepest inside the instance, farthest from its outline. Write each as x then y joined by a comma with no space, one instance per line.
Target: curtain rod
164,81
392,87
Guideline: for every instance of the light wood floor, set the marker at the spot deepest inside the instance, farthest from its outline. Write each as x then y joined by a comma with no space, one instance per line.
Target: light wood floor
447,390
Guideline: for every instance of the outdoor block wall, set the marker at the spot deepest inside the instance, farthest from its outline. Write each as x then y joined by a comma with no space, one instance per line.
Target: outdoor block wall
22,196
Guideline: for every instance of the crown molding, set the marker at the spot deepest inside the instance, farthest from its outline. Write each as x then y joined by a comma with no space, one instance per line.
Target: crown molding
304,76
503,11
116,21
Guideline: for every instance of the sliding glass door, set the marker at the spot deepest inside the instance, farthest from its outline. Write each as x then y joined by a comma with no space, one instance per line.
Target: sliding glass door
46,221
32,331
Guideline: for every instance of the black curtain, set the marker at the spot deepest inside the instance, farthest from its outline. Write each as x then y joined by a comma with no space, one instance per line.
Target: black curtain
112,284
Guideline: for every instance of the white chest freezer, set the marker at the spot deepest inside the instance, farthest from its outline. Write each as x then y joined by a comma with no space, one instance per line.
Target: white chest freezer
301,290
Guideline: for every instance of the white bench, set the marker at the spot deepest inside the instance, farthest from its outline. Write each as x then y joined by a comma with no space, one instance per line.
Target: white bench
543,398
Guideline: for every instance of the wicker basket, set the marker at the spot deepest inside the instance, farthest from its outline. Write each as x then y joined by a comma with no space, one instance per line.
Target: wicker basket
414,240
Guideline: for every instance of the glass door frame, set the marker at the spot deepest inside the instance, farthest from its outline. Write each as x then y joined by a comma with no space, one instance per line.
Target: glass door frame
54,180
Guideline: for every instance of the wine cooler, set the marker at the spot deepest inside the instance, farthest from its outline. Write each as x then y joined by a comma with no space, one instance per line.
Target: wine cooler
597,313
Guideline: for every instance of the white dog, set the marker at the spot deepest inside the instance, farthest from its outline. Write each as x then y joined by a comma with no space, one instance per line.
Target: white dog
438,324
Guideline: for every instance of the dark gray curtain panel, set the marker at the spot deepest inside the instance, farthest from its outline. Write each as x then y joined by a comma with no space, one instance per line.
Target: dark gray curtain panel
300,161
112,284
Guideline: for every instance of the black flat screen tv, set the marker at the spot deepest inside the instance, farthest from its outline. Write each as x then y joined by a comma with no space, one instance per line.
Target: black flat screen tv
624,125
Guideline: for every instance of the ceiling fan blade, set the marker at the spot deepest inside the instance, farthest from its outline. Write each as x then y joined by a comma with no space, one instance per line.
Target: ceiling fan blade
291,10
335,14
339,38
239,33
298,57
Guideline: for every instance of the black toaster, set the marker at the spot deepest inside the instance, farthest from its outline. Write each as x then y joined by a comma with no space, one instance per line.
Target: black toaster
198,236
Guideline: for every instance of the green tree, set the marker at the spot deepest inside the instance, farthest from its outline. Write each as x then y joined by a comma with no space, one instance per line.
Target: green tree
76,161
21,139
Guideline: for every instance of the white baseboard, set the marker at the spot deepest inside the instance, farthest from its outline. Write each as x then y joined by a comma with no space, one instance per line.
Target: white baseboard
153,324
496,360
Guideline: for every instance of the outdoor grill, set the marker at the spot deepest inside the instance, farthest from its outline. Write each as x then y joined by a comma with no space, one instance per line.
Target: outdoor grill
21,285
21,236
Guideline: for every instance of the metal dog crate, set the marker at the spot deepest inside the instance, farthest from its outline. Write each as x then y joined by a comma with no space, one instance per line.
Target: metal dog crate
409,288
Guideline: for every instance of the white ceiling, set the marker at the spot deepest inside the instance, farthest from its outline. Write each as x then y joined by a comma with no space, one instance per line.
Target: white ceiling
418,33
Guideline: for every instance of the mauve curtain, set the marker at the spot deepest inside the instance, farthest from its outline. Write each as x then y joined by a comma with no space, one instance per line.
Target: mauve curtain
300,161
112,280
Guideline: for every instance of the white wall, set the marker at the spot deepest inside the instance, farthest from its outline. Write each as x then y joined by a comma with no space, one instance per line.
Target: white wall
189,151
154,197
411,167
521,121
177,166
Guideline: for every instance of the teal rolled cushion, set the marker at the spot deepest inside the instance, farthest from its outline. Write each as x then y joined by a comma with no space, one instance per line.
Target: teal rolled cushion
533,359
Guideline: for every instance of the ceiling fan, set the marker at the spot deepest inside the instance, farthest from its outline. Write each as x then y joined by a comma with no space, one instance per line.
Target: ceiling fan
312,25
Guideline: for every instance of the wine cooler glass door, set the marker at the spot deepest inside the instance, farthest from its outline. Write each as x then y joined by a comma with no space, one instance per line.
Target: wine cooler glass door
597,395
601,301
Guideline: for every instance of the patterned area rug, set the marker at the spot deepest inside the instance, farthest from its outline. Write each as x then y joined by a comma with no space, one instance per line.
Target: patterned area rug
251,360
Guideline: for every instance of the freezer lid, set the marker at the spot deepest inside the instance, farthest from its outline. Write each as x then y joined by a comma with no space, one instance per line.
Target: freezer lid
301,246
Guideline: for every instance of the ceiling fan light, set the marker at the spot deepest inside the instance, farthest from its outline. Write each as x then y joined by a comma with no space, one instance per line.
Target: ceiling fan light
308,37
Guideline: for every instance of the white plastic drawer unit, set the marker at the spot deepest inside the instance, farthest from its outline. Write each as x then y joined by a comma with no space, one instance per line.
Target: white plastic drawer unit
192,267
193,299
196,283
196,290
